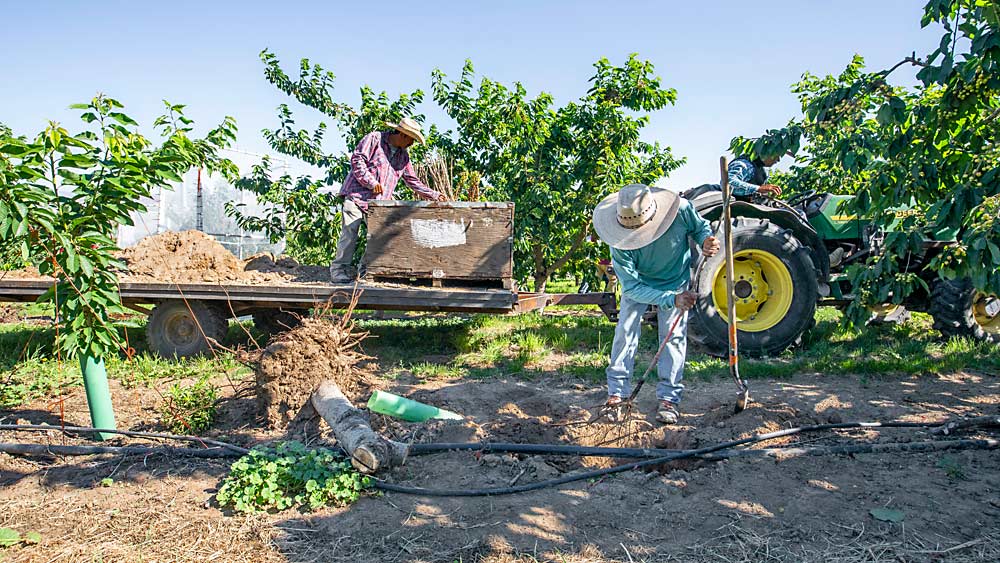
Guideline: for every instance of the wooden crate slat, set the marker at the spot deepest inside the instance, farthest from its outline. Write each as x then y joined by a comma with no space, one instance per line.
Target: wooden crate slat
471,241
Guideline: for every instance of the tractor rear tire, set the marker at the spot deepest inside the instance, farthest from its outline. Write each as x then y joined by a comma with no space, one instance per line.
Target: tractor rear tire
178,329
953,308
790,260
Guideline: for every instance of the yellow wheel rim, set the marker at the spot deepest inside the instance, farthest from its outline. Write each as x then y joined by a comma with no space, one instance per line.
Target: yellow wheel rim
884,309
986,309
763,286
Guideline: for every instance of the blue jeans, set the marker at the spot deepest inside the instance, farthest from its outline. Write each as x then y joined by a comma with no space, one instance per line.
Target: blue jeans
670,367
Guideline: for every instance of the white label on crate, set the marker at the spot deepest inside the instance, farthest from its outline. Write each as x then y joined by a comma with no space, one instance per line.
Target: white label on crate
437,233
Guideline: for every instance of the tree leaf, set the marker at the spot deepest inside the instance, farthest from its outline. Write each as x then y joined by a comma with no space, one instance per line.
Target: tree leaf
887,514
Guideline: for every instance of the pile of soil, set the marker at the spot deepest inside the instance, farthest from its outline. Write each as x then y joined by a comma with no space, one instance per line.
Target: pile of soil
295,362
188,256
286,268
194,257
28,273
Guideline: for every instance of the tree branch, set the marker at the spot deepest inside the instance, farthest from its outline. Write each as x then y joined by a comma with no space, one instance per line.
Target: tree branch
580,237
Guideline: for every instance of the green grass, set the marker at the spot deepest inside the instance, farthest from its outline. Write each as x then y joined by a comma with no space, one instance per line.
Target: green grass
31,367
534,345
529,346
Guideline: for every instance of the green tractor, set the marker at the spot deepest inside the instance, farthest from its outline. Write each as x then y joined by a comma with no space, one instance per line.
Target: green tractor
790,257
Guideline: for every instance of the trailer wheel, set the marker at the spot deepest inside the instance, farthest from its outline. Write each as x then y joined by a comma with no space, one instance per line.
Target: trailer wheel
177,329
275,321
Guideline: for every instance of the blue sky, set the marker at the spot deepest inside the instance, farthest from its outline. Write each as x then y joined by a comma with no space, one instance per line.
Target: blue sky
731,65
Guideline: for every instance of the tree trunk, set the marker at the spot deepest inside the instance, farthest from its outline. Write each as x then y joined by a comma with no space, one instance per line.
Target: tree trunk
541,279
368,450
543,272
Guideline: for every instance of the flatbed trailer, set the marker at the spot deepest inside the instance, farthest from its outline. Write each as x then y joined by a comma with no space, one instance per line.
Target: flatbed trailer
185,315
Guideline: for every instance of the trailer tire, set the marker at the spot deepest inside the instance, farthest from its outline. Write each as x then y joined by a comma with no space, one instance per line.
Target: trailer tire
177,329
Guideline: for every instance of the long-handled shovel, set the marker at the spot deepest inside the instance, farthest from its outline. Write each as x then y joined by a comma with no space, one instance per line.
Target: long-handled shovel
727,219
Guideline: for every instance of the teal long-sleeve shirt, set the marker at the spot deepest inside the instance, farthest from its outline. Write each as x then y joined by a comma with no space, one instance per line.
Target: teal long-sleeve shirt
656,272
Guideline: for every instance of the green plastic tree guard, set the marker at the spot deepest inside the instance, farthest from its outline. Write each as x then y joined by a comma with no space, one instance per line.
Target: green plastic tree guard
407,409
95,381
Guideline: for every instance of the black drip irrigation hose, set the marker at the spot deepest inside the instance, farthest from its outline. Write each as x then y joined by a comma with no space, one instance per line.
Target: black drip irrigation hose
687,454
132,433
654,456
536,449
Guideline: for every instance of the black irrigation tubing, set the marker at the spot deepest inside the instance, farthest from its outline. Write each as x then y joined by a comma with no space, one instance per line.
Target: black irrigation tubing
60,450
780,454
88,430
550,449
488,447
386,486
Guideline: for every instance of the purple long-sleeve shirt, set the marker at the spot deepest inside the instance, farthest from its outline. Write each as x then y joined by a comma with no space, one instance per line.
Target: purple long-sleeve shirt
374,162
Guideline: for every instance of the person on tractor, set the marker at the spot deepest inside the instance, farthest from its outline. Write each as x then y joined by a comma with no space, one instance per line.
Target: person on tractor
377,164
648,231
749,176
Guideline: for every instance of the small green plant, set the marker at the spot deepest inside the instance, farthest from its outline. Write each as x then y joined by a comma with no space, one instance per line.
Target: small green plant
189,409
289,475
952,468
10,537
107,482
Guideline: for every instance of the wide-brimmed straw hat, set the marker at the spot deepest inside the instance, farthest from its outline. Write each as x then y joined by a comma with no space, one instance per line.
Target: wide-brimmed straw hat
408,127
635,216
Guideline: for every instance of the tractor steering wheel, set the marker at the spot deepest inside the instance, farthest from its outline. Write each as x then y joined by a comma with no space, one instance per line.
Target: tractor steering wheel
800,198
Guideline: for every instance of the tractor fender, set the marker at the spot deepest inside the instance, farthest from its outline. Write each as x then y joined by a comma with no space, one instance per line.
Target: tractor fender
708,204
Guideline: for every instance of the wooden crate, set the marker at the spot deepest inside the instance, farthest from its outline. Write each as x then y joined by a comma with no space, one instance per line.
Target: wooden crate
446,243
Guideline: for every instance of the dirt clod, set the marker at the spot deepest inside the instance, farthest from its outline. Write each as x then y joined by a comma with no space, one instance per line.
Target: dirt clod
295,362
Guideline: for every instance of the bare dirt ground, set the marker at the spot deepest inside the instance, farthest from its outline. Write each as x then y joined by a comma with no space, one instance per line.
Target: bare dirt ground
801,509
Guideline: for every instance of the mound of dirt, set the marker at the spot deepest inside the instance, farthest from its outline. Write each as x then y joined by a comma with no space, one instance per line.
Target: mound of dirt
194,257
188,256
295,362
286,268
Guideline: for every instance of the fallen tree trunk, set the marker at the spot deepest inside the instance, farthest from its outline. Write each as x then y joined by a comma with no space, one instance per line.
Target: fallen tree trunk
369,451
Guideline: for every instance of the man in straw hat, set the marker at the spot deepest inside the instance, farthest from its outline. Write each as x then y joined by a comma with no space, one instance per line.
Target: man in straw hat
377,164
648,230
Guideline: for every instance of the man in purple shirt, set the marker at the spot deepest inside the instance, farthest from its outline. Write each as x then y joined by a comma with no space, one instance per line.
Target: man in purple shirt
377,164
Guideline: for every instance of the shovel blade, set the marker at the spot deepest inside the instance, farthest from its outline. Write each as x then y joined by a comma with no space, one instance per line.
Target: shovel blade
742,400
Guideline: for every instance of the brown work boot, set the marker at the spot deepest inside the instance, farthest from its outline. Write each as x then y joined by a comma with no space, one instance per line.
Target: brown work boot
667,413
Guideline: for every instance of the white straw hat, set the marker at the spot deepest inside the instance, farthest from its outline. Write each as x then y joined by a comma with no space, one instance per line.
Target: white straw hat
408,127
635,216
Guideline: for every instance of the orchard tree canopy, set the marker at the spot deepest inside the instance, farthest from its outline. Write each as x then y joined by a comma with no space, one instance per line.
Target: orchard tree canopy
66,193
556,163
933,147
298,212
